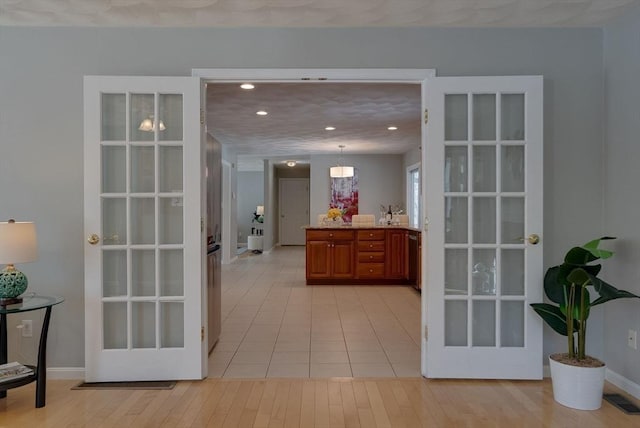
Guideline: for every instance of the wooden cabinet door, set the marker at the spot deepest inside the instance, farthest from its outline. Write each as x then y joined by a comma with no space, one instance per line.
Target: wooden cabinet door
343,259
397,265
319,259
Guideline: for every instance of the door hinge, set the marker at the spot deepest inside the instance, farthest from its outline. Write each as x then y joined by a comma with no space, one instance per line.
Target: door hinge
426,333
201,116
426,116
201,224
202,334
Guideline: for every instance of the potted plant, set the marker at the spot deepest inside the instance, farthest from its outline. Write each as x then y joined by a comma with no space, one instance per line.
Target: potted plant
577,378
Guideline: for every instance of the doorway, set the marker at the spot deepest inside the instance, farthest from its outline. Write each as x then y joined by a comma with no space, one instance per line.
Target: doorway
338,76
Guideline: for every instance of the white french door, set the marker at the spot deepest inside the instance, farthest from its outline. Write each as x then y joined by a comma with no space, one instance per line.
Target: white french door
143,175
483,193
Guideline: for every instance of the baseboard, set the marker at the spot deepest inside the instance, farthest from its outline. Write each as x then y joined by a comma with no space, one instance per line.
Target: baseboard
546,371
65,373
623,383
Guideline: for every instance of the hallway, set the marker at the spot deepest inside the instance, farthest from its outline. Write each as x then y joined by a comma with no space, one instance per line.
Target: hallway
276,326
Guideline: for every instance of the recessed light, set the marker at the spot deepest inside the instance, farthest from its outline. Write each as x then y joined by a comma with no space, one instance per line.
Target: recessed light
330,128
291,163
392,128
247,86
262,113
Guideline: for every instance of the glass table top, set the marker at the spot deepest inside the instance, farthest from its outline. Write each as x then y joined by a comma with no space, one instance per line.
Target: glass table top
30,303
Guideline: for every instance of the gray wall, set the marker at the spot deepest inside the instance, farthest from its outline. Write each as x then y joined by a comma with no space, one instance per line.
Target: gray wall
380,181
41,135
250,194
622,175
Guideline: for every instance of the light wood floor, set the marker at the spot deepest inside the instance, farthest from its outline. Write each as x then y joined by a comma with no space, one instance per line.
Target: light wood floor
335,402
267,307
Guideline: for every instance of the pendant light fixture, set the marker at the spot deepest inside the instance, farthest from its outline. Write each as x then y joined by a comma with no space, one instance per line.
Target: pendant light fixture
340,171
149,125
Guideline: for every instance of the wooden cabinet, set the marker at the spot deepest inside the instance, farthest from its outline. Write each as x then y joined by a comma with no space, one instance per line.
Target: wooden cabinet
380,255
371,254
397,260
330,254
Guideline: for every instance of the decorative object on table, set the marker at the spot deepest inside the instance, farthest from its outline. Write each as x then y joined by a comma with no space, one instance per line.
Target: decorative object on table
344,194
18,244
340,171
258,217
577,378
334,216
14,370
391,215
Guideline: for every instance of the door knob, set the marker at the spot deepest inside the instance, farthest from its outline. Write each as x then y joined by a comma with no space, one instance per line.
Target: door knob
93,239
533,239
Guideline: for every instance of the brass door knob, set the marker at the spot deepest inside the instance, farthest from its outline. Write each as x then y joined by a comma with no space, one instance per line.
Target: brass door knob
533,239
93,239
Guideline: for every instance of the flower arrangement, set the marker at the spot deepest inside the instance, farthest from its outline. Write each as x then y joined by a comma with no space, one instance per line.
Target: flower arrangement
335,213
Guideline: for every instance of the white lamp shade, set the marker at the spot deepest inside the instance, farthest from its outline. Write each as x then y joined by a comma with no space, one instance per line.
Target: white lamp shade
18,243
341,171
260,210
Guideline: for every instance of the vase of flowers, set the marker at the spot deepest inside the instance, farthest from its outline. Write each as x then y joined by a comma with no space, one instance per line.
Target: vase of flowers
334,216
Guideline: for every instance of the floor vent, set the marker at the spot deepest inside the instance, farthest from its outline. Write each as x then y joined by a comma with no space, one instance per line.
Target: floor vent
127,385
622,403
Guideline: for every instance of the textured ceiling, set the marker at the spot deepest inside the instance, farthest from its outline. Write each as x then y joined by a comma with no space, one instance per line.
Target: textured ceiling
311,13
299,112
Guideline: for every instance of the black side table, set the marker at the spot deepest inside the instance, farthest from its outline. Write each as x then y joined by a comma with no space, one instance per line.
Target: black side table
39,375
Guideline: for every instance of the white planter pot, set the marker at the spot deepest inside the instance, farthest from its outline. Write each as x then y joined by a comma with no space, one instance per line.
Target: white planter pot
577,387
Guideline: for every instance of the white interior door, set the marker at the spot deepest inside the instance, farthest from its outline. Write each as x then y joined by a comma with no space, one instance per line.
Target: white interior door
294,210
143,201
483,182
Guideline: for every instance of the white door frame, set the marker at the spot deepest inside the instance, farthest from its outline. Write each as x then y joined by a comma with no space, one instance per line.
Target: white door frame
368,75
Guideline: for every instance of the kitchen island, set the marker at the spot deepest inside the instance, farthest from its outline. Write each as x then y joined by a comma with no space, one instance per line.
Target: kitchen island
374,255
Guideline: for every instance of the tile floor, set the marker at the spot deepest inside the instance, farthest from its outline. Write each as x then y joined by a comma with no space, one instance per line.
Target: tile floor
276,326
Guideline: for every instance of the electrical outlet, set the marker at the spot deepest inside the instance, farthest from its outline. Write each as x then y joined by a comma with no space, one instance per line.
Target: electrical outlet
27,328
632,339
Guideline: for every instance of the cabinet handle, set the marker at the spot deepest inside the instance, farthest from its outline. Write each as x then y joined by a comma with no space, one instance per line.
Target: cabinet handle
370,270
370,245
331,234
371,257
371,234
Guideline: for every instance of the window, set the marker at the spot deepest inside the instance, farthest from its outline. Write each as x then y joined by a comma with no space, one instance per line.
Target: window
414,200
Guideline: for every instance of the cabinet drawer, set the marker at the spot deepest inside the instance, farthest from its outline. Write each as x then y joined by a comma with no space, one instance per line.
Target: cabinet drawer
370,270
364,246
371,257
323,235
370,235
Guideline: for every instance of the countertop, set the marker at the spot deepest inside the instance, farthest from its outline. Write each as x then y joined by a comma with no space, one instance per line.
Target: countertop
349,226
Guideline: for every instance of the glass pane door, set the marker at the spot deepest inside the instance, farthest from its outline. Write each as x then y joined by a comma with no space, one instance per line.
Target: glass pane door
488,200
142,220
143,210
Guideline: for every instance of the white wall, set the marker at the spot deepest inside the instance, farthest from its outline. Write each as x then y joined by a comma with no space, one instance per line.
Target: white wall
621,204
41,133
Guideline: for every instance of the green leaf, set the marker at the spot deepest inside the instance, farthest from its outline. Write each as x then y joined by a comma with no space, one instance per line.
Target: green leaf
592,247
608,292
578,276
596,242
554,283
579,256
552,316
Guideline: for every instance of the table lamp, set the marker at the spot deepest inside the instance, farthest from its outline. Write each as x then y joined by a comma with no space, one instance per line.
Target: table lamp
18,244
